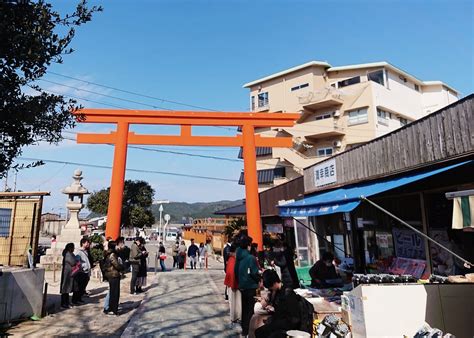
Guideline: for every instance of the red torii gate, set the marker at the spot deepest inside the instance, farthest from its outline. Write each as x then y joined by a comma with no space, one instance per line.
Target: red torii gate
122,137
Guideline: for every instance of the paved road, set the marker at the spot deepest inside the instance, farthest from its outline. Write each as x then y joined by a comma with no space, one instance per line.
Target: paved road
185,304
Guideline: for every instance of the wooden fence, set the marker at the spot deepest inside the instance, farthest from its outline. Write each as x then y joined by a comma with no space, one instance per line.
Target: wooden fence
20,215
208,229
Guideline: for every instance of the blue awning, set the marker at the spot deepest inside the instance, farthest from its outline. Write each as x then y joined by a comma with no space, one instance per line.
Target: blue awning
348,198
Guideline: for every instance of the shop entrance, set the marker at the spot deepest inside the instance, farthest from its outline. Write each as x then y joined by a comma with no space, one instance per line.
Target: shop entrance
122,137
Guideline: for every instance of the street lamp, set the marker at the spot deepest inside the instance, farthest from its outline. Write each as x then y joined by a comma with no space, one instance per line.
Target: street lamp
161,218
167,219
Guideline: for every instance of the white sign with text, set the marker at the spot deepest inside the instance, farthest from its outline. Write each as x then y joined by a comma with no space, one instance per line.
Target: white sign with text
325,173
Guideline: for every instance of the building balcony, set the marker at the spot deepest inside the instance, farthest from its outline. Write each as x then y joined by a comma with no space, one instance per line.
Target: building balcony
324,99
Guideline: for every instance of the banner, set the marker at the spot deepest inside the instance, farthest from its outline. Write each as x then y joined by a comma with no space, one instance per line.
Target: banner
408,244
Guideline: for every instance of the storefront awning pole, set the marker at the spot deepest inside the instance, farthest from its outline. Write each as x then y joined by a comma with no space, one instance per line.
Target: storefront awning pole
469,264
455,194
320,236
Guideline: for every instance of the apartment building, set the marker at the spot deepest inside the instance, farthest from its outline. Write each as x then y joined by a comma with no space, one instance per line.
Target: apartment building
341,107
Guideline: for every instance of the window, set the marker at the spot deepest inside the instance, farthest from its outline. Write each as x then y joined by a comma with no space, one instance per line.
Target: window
304,85
403,122
377,76
417,88
279,172
324,151
348,82
262,100
383,116
253,102
358,116
323,116
5,220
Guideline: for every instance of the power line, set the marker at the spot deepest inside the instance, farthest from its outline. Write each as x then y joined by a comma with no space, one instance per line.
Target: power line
129,169
106,95
113,97
193,155
157,150
132,93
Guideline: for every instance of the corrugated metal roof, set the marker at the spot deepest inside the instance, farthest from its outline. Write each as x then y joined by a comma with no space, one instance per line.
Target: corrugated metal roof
235,210
263,176
260,151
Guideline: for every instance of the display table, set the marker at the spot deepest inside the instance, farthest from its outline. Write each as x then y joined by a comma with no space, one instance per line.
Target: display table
322,308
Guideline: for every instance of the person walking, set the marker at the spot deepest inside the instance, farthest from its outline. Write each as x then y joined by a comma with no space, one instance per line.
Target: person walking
192,254
202,255
67,279
175,255
162,256
182,254
230,282
143,268
83,276
113,269
210,251
248,280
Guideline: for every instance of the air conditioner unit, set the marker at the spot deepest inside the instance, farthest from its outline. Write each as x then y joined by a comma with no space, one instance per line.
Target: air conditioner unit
336,113
337,144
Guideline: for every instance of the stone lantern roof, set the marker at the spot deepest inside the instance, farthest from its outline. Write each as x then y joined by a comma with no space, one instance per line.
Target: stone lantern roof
76,188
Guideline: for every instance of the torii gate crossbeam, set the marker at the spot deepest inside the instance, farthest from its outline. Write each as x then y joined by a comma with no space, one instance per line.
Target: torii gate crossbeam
122,137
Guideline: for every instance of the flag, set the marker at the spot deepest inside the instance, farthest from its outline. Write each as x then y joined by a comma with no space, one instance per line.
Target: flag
463,212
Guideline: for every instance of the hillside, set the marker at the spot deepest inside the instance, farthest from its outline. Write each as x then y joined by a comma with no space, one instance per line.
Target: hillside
178,210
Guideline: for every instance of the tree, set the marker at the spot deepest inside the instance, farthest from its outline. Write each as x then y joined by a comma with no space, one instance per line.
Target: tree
32,37
234,227
136,204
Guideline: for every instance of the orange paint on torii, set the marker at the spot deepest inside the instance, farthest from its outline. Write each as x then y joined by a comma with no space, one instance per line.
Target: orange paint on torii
122,137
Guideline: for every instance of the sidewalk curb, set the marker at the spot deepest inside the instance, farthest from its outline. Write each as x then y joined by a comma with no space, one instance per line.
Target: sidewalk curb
129,331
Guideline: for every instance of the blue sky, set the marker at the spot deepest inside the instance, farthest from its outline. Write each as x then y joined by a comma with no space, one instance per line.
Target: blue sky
202,52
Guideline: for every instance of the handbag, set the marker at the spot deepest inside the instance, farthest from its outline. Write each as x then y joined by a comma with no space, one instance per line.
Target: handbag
162,256
75,269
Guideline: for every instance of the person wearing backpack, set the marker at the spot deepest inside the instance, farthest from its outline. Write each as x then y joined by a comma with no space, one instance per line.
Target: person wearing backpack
113,268
290,311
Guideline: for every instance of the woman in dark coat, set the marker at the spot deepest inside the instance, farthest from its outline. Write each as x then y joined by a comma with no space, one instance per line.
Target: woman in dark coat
67,280
143,268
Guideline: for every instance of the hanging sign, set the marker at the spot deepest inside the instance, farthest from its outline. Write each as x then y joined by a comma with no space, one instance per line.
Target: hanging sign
274,228
325,173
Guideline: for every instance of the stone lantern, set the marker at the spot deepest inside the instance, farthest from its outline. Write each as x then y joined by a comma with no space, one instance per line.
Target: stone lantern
71,233
74,204
72,230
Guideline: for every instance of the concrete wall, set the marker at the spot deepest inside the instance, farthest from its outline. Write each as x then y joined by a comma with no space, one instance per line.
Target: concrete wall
53,227
436,97
280,96
21,293
399,96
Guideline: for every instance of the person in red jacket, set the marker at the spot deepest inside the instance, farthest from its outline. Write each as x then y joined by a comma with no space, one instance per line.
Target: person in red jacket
231,282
